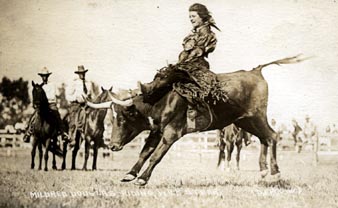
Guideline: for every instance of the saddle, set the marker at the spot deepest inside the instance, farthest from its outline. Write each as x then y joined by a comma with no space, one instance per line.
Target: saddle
199,86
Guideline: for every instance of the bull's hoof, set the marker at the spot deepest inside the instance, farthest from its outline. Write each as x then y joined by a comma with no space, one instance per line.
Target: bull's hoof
46,169
85,169
39,168
128,178
264,173
55,168
32,167
140,182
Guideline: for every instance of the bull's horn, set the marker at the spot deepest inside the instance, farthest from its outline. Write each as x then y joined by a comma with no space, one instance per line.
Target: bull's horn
100,105
128,102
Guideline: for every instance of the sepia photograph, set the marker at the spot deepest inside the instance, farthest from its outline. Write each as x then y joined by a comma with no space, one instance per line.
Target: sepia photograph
168,103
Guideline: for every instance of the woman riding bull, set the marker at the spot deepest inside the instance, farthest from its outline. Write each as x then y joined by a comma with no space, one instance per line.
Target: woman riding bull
192,65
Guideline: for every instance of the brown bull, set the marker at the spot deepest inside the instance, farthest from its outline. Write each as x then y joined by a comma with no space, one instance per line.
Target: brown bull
247,106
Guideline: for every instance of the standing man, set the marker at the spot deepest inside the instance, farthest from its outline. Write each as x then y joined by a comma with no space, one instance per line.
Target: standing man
296,134
309,131
80,89
50,90
311,137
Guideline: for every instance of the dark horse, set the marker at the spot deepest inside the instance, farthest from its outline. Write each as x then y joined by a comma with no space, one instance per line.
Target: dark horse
93,132
228,137
44,130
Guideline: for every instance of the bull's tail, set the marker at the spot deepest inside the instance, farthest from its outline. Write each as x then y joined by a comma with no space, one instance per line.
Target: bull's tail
288,60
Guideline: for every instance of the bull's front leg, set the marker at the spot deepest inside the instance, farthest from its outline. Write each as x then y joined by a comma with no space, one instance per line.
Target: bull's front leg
170,136
149,147
174,104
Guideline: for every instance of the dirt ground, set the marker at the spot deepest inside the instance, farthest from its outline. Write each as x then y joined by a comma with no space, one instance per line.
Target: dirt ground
182,179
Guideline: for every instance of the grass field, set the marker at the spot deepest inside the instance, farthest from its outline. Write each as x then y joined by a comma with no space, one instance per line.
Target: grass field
180,180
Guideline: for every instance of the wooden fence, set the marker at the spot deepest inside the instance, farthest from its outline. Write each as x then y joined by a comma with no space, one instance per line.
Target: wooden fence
196,142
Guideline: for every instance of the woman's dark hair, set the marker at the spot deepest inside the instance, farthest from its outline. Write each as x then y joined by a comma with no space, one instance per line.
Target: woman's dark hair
201,10
204,13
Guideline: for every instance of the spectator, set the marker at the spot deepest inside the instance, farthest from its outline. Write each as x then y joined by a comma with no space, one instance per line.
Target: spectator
296,135
309,130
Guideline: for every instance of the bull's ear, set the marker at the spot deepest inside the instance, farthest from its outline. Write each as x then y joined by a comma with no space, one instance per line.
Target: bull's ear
33,83
102,89
111,88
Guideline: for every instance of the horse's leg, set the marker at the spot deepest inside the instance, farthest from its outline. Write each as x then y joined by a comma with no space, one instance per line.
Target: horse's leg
170,135
40,156
65,143
259,127
95,151
54,149
148,148
75,150
34,144
230,149
221,155
46,153
87,148
239,144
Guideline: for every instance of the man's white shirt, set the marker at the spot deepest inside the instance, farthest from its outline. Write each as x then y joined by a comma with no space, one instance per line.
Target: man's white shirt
75,91
50,90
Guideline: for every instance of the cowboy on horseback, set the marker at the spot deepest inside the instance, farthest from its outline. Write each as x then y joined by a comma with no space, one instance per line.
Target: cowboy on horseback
50,90
80,89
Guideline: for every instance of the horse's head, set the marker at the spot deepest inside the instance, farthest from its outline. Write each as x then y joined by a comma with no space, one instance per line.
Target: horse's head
105,95
39,96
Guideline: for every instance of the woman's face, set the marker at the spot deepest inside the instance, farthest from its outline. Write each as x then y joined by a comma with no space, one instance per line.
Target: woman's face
195,19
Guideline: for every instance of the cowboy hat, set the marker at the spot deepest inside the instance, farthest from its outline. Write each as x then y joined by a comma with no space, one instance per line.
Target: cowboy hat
80,69
44,72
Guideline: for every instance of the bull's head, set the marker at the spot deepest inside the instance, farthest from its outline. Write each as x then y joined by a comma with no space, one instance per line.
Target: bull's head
128,122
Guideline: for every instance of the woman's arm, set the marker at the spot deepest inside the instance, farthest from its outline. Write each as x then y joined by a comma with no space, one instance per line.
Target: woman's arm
203,43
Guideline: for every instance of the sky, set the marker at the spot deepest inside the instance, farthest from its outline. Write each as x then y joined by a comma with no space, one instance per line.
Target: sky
125,41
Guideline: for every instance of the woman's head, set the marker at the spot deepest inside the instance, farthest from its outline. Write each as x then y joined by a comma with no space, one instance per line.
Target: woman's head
201,10
199,14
